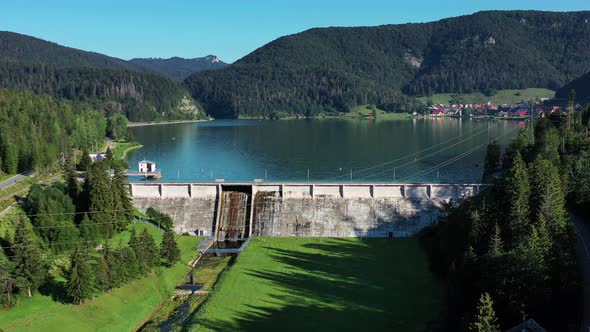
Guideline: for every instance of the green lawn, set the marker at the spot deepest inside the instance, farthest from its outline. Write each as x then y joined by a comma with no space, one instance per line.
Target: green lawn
501,96
300,284
123,309
121,149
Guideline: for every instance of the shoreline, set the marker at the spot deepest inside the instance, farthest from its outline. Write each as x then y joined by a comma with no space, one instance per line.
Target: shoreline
143,124
129,149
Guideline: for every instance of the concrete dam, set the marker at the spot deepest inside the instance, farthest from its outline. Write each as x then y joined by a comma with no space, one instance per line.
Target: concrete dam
239,210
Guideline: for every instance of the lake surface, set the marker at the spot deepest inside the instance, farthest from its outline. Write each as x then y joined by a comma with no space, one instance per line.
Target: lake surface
324,149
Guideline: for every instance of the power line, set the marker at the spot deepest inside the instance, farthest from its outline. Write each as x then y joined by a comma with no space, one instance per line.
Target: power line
405,157
424,157
452,160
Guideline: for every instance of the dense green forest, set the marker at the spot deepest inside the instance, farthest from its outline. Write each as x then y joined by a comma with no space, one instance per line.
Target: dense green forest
56,238
105,83
36,130
179,68
514,241
332,69
582,87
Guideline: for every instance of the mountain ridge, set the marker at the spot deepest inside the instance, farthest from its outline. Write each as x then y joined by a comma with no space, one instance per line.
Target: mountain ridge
178,68
109,84
333,69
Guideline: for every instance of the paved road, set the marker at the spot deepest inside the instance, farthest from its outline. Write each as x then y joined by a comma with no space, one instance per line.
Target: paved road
15,179
583,250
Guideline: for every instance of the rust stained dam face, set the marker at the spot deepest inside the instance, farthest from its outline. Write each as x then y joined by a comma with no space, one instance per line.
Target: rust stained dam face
236,211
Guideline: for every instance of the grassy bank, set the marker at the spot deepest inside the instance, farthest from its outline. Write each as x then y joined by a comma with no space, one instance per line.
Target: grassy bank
155,123
356,113
500,97
122,147
122,309
359,112
304,284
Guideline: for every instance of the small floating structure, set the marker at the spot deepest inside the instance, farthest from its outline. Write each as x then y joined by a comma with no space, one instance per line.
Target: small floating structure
146,169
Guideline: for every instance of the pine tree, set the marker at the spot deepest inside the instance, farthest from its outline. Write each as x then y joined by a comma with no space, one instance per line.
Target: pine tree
85,161
150,257
101,198
485,319
116,267
123,203
539,241
547,198
80,284
7,281
496,245
492,160
103,275
10,159
130,264
519,193
89,231
109,154
29,269
169,250
139,254
71,180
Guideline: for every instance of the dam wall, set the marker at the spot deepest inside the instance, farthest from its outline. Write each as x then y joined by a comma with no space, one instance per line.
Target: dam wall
299,209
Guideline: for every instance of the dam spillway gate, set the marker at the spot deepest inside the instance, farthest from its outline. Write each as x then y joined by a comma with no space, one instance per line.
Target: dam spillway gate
239,210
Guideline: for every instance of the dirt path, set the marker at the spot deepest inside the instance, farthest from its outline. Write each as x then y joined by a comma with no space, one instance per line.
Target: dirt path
583,251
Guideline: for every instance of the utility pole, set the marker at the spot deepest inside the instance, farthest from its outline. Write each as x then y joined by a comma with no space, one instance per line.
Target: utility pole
308,175
532,123
351,175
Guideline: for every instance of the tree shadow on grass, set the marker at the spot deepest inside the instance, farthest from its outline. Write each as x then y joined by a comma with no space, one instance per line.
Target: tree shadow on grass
55,289
340,284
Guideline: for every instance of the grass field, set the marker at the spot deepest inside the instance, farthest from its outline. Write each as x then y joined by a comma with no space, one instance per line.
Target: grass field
501,96
122,309
299,284
121,149
381,115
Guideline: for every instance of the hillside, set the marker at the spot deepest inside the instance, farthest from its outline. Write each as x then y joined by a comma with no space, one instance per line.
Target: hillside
26,49
105,83
581,85
331,69
178,68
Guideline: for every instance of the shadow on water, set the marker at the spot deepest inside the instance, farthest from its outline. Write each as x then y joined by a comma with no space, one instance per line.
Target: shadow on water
337,284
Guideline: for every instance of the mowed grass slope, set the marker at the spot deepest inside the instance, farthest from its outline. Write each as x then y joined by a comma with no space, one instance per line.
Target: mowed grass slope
122,309
299,284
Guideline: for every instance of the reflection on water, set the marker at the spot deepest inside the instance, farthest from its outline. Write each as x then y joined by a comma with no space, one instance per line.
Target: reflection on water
327,150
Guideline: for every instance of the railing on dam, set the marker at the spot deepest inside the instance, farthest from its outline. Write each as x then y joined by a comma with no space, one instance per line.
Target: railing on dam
310,190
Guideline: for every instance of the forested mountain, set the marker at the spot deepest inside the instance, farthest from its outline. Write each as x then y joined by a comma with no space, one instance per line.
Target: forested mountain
179,68
23,48
109,84
581,85
331,69
35,130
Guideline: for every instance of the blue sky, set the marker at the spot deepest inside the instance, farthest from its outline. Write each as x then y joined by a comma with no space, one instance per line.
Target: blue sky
229,29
